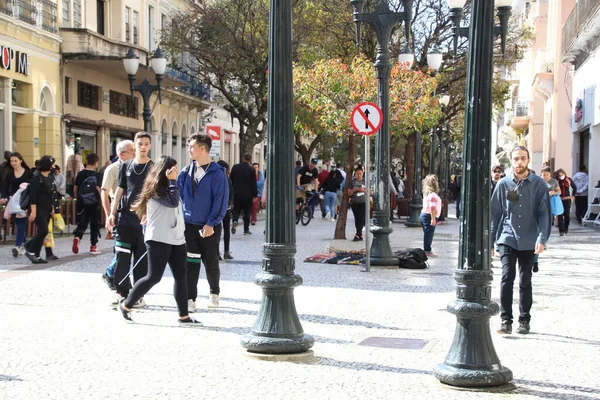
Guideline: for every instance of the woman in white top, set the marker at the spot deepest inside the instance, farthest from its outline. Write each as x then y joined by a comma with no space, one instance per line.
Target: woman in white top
159,206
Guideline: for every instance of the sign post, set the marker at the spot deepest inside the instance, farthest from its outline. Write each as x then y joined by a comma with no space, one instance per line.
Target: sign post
366,119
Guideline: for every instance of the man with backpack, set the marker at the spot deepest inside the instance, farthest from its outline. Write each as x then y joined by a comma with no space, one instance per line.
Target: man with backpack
87,193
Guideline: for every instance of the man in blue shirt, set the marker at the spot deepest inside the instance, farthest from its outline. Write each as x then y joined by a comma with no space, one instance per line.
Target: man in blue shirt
520,227
204,191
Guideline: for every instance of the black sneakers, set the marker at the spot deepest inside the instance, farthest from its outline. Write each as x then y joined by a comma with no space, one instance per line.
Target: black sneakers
34,259
126,314
535,267
234,227
505,328
189,320
109,281
523,328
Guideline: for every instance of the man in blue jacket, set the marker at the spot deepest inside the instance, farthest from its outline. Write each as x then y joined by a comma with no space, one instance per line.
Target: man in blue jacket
204,192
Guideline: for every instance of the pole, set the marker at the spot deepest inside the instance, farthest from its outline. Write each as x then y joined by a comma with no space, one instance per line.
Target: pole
432,151
277,329
416,202
368,203
472,360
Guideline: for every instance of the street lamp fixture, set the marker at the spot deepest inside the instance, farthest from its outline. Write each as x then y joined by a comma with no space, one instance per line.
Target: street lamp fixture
406,57
472,360
434,60
383,21
131,63
444,99
504,11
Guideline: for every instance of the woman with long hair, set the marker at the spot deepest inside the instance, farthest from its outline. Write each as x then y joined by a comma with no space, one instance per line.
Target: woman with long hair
567,194
19,173
159,206
432,205
357,192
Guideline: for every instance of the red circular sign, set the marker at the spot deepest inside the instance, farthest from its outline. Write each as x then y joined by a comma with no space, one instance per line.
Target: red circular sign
366,118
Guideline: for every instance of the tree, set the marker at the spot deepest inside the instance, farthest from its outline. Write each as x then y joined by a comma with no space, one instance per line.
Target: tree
227,47
329,89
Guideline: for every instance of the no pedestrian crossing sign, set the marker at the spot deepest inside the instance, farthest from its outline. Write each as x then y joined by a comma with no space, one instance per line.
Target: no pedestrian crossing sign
366,118
214,131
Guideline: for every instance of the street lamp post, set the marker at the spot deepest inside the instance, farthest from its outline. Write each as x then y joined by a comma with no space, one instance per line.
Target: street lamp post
432,149
446,169
434,61
159,65
382,20
277,329
472,360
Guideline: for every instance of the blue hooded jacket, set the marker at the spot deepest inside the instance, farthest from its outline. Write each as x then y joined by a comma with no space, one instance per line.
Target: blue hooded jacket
205,202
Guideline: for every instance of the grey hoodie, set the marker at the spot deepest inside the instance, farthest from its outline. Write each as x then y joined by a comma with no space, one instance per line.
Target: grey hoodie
164,217
582,182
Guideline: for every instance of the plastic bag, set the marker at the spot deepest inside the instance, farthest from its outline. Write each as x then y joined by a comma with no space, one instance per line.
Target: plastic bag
59,222
556,205
13,205
49,239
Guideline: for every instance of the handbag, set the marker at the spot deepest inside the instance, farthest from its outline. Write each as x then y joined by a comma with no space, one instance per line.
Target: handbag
556,205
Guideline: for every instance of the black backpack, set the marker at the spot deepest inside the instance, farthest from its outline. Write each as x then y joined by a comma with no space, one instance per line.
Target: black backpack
412,258
88,192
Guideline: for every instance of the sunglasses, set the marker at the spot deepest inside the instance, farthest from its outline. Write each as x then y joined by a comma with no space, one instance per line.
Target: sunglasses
497,172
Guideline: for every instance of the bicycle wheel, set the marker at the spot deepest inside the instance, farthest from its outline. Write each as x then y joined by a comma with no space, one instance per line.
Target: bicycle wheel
298,214
306,215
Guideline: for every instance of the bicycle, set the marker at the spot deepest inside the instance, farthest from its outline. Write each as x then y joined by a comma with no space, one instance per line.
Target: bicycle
303,211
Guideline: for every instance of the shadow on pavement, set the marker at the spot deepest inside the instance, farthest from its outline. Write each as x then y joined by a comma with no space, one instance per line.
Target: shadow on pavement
581,392
331,362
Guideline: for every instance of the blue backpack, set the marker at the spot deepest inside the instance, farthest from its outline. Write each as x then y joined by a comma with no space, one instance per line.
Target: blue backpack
88,192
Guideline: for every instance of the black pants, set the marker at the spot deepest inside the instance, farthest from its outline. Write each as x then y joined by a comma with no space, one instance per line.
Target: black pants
159,254
129,242
204,250
37,242
565,218
87,215
242,204
509,258
359,211
226,231
580,206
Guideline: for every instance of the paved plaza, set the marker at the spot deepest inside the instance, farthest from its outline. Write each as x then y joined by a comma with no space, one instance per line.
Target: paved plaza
61,340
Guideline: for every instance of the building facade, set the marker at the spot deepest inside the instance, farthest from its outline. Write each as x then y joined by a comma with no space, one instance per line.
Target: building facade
581,48
30,79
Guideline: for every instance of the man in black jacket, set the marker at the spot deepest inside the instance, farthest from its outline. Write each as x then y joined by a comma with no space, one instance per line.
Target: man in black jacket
243,178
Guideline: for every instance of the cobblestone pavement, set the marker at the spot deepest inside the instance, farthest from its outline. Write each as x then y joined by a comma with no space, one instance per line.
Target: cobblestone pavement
60,340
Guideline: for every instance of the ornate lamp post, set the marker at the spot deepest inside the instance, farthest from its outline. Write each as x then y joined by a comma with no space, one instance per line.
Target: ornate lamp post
382,20
159,65
434,61
472,360
277,329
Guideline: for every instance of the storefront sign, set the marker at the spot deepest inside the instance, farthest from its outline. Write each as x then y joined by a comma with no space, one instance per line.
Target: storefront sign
8,55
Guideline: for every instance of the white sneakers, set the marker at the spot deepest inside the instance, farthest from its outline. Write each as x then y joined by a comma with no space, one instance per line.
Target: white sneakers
213,301
140,303
191,306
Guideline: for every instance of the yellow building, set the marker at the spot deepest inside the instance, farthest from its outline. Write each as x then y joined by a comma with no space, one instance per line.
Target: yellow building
98,112
30,79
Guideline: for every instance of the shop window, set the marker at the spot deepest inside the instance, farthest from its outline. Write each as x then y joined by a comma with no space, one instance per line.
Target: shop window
88,95
18,94
67,90
121,104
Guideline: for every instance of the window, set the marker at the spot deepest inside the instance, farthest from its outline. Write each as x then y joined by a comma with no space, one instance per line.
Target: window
127,30
66,13
121,104
150,28
76,13
163,21
88,95
135,27
67,90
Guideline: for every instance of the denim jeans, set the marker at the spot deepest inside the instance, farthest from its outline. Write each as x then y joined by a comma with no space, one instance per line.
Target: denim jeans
330,200
428,231
509,258
110,270
21,231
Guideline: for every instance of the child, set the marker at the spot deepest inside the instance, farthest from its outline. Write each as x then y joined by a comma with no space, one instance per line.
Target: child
431,210
159,207
87,193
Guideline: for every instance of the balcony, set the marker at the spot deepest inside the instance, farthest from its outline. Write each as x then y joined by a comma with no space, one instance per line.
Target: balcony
37,13
580,34
543,81
521,115
192,87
